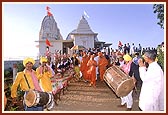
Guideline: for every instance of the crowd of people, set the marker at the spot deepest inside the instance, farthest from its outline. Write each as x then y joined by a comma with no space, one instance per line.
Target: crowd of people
90,65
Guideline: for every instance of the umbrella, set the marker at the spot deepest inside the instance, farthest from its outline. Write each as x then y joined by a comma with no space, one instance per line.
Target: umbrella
78,47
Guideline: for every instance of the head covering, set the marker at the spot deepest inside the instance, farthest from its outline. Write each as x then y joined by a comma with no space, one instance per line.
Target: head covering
127,57
26,60
43,59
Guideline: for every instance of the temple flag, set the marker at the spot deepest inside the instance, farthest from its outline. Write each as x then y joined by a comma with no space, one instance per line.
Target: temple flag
86,14
49,13
47,8
48,43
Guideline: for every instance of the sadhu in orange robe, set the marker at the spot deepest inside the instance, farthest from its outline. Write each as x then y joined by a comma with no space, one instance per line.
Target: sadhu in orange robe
102,63
92,70
84,66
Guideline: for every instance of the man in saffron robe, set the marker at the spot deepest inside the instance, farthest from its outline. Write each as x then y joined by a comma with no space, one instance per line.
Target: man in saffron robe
92,70
84,67
102,63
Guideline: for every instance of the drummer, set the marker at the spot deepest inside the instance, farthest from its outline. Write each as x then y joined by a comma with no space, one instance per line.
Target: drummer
27,79
128,100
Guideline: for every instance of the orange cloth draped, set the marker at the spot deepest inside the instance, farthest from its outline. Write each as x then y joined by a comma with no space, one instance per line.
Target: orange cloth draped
102,63
92,71
84,67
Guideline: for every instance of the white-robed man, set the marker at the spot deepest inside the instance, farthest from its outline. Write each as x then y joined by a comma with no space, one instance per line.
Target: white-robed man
152,91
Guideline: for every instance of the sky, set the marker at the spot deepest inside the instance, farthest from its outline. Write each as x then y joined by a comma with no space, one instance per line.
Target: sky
126,22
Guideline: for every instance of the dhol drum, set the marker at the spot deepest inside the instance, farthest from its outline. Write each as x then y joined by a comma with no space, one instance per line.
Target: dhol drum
37,98
118,81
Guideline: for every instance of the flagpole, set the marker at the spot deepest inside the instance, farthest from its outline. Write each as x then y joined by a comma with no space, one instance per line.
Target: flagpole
85,14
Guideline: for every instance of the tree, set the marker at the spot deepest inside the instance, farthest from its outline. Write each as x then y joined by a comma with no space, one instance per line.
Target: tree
159,10
160,56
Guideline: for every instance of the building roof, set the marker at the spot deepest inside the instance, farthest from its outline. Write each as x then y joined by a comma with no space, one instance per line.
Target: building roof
107,44
83,27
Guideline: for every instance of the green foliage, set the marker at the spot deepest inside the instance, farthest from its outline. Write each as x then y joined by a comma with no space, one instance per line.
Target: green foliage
20,93
14,108
6,73
11,106
160,57
159,10
20,67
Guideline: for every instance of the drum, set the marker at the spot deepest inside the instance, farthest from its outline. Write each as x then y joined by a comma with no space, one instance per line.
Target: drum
118,81
33,98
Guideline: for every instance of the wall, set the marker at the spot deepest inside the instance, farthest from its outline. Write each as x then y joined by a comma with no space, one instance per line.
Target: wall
56,45
88,39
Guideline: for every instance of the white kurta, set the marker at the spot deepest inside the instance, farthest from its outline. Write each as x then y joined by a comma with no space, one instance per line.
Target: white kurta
152,91
97,72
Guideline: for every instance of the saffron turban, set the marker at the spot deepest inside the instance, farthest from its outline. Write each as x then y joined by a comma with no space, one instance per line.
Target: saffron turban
26,60
127,57
43,59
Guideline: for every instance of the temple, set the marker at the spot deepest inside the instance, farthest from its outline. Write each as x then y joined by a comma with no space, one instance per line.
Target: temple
82,35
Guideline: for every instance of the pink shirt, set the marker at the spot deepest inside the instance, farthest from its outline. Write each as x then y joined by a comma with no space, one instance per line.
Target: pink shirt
126,67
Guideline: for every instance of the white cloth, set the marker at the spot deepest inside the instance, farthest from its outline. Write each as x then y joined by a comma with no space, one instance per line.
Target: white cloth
127,100
132,50
97,72
152,91
80,60
121,63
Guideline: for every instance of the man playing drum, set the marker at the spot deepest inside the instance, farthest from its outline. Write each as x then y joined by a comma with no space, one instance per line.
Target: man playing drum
27,79
128,100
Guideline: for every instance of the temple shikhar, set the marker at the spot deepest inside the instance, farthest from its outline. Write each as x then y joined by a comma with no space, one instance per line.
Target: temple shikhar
82,36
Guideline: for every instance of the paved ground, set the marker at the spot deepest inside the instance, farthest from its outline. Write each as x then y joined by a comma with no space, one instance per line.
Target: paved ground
81,97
